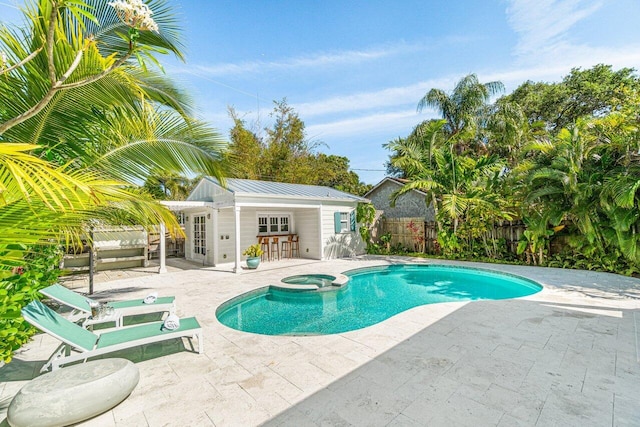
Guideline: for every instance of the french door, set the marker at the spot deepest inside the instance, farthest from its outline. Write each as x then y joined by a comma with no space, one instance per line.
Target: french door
199,235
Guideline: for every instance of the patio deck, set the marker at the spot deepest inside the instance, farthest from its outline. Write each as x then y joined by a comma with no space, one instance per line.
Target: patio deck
568,355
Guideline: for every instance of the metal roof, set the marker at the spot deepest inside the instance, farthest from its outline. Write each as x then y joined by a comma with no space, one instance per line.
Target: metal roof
282,189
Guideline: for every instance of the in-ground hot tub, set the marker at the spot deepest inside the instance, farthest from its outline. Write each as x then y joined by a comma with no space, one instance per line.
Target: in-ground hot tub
312,282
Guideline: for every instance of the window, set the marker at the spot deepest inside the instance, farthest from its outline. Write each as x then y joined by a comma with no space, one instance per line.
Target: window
262,225
199,235
274,224
344,221
180,217
284,224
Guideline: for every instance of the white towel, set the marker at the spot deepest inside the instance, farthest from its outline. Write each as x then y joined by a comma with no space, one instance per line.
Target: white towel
171,322
151,298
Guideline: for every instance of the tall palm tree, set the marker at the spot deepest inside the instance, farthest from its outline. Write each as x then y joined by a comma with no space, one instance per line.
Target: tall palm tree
463,107
455,184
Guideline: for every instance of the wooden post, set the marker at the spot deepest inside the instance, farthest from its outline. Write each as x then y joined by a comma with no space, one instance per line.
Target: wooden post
236,268
91,261
163,249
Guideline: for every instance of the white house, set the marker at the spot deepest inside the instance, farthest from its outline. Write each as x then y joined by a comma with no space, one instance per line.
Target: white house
222,221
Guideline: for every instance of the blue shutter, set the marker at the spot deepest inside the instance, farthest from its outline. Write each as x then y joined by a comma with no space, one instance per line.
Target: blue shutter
336,222
352,218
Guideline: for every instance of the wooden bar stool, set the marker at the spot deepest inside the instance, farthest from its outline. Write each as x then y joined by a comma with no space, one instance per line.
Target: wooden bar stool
264,245
275,248
295,245
285,248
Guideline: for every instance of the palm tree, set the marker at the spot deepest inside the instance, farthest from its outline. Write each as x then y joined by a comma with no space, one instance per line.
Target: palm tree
77,86
455,184
83,120
462,108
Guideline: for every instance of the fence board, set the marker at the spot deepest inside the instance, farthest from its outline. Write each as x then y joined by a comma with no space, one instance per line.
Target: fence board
424,239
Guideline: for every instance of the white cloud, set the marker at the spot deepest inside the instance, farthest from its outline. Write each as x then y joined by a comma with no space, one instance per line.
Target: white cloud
388,107
543,25
396,121
387,97
318,60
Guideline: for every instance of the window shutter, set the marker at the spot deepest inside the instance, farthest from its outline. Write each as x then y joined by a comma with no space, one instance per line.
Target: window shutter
336,222
352,219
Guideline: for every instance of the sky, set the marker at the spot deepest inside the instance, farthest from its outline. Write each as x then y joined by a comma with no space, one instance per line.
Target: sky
355,70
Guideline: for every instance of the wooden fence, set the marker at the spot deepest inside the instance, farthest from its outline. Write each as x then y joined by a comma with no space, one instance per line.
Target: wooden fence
421,236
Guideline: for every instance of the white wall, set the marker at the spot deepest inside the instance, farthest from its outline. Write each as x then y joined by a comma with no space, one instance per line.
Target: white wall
339,245
306,226
207,191
113,237
226,228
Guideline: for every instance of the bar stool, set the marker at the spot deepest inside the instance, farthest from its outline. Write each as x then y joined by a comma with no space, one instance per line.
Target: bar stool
274,244
264,246
295,245
285,249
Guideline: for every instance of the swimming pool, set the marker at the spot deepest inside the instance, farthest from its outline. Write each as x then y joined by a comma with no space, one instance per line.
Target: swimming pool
373,295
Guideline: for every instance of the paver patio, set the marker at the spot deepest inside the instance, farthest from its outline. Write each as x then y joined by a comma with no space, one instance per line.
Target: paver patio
567,356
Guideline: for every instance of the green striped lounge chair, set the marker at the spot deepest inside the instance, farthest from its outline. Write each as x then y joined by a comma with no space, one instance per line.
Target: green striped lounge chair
81,344
81,304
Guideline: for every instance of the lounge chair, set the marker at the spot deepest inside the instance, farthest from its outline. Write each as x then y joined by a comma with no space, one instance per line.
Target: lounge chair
87,344
124,308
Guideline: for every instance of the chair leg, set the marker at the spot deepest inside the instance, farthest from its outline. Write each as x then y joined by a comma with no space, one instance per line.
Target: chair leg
285,251
200,343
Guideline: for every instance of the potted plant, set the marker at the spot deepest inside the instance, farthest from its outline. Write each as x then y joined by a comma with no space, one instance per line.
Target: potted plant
253,253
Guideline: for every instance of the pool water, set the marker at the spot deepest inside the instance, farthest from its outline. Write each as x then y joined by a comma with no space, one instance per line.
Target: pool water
372,295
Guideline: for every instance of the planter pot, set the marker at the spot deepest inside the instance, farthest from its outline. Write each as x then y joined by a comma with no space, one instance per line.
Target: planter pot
253,262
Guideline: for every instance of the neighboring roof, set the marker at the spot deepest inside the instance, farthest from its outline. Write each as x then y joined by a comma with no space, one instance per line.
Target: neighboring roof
282,189
398,181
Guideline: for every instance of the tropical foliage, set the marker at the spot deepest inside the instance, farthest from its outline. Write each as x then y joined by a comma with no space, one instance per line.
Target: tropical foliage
86,116
564,158
285,154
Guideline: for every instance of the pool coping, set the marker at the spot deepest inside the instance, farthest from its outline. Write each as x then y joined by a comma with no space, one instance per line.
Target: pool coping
339,280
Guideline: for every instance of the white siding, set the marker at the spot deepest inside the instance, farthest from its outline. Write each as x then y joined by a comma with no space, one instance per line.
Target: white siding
339,245
306,226
226,236
207,191
248,230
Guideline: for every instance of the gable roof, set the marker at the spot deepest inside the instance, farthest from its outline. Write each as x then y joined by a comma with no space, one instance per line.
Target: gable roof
250,187
397,181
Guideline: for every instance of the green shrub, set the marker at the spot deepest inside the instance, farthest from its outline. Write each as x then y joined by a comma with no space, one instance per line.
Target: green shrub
18,288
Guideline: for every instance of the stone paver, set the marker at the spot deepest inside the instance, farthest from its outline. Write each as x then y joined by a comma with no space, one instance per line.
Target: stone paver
565,356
